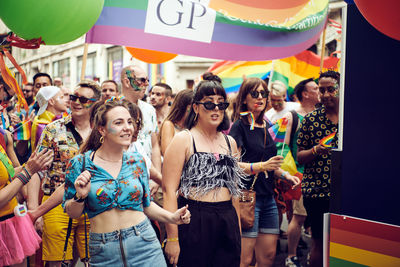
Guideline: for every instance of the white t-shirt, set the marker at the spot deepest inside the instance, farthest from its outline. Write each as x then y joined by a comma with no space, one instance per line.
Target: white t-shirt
149,126
273,115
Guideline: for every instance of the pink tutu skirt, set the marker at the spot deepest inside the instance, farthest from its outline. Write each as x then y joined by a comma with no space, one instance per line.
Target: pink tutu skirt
18,239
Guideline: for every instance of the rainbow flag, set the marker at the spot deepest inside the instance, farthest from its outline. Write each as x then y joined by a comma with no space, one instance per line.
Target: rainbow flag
22,131
221,29
327,141
357,242
290,70
278,130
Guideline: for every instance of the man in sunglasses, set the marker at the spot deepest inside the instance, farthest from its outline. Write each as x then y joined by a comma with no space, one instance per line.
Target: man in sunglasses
279,105
317,158
63,137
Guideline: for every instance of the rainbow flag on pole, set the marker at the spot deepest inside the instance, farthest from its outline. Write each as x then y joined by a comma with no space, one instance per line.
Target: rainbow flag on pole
22,131
327,141
221,29
278,130
290,70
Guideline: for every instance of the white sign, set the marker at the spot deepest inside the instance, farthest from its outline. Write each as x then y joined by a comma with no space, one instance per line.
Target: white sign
185,19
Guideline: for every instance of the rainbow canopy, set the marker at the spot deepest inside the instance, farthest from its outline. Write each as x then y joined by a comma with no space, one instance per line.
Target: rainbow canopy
290,70
223,29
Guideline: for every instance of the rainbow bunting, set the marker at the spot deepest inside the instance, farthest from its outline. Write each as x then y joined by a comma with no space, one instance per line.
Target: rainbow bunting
22,131
235,30
278,130
289,70
327,141
357,242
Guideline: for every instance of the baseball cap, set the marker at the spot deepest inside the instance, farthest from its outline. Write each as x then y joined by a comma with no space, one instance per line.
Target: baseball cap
43,96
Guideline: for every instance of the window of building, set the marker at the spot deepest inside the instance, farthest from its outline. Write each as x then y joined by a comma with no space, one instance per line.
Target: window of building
114,63
90,71
61,69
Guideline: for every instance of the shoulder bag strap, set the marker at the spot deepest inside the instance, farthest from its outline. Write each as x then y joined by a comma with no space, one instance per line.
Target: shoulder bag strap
295,123
66,239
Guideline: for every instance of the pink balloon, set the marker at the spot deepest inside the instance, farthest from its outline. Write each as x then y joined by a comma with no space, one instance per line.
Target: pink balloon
383,15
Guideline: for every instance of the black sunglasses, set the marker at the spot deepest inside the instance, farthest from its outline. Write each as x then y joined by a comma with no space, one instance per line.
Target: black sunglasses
82,99
330,89
211,106
142,80
255,94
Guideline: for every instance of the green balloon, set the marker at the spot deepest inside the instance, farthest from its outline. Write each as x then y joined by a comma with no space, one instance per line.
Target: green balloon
56,21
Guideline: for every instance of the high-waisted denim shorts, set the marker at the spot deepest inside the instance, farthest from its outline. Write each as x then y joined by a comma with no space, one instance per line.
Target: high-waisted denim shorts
266,217
134,246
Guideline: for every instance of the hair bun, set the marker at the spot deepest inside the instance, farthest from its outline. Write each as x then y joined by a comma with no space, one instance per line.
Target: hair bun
209,76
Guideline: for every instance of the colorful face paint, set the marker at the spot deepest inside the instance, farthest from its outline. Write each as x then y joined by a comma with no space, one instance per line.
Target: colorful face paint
111,129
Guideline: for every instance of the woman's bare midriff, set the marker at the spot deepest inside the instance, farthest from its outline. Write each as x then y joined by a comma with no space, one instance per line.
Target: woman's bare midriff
216,195
115,219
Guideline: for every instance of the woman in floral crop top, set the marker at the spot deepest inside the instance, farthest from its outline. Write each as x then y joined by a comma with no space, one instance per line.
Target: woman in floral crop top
114,191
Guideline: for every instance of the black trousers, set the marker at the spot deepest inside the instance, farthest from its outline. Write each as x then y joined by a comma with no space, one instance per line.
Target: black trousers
212,238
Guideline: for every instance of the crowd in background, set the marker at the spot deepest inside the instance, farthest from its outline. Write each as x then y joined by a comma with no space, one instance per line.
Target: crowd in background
122,174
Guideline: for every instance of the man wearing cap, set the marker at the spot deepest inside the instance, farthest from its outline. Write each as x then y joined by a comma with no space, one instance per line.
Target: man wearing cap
52,103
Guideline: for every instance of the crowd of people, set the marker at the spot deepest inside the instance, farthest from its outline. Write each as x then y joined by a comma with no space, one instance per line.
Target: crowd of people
125,175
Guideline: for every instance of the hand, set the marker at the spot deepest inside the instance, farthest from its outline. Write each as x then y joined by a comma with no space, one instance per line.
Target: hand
181,216
272,164
293,179
39,161
82,184
321,150
172,251
14,119
39,225
153,187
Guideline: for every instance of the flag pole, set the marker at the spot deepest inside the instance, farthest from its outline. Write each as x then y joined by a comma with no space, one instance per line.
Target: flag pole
84,59
321,65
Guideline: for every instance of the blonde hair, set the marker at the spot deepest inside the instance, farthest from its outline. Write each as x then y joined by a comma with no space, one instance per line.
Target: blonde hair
278,88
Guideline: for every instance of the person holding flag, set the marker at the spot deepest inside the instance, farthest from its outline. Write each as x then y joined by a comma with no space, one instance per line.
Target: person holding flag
257,147
314,151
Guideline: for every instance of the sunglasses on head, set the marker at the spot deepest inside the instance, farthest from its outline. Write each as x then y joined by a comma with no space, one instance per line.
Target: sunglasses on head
330,89
211,106
82,99
255,94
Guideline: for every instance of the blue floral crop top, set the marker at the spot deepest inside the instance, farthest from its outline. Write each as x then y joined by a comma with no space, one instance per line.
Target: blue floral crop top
130,190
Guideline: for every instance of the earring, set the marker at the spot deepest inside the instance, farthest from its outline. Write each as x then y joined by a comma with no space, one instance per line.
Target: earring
101,139
195,117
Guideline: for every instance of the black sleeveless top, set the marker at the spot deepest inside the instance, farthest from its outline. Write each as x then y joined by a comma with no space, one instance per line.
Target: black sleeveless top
204,172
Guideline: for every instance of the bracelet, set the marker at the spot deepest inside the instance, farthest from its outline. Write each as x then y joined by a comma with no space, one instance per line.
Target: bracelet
27,173
251,168
261,168
283,175
314,151
78,199
24,180
169,240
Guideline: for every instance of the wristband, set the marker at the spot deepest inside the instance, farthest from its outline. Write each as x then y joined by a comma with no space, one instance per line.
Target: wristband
283,175
27,173
314,151
78,199
169,240
251,168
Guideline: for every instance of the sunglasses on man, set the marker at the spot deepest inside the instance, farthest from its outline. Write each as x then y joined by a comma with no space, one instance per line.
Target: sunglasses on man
82,99
330,89
211,106
255,94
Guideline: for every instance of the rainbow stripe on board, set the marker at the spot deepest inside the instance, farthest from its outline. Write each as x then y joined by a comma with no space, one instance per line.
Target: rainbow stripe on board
290,70
358,242
327,141
278,130
243,30
22,131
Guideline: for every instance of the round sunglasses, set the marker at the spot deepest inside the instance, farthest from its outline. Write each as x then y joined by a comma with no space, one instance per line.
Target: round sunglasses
255,94
82,99
211,106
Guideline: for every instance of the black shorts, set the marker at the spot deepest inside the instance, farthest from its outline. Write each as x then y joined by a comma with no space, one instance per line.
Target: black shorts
316,207
212,238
